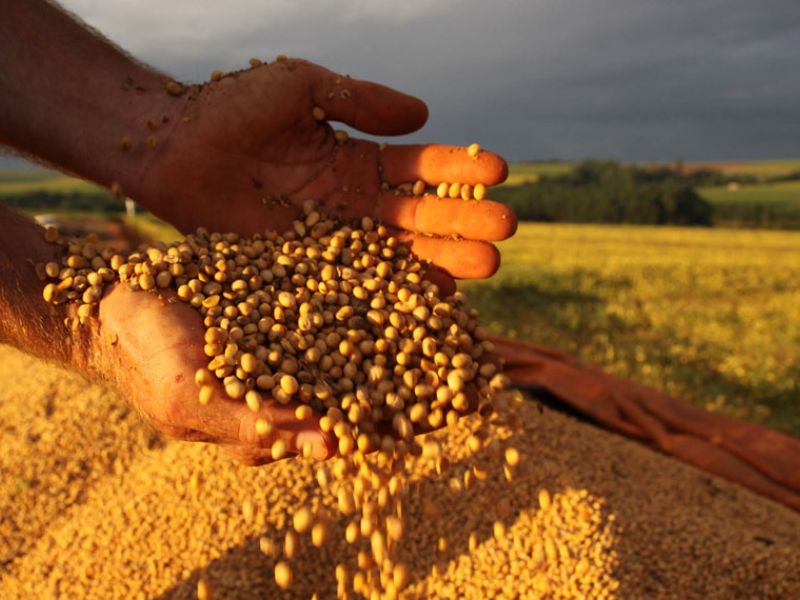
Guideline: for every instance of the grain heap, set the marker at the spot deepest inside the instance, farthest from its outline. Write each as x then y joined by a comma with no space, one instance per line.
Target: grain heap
339,320
95,506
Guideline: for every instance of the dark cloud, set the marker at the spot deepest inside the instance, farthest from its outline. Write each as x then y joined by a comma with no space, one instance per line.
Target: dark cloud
629,79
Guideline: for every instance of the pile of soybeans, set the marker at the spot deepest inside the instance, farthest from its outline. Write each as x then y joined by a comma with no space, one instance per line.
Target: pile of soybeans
504,501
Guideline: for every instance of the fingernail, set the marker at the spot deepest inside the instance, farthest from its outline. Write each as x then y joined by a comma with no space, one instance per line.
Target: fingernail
317,441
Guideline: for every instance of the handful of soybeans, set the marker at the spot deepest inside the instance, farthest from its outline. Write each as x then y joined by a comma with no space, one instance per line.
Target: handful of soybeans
338,319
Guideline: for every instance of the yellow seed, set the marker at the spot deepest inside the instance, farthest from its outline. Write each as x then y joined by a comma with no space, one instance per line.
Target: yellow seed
289,385
283,575
287,299
302,520
84,312
253,400
255,62
394,527
472,544
49,292
466,192
51,234
235,389
248,510
499,530
352,532
263,427
544,499
341,136
318,113
291,545
173,88
400,576
216,75
474,443
163,279
249,362
147,281
279,450
455,381
319,534
481,474
52,270
205,394
205,591
346,445
265,382
479,191
443,189
473,150
303,412
345,502
454,191
419,188
512,456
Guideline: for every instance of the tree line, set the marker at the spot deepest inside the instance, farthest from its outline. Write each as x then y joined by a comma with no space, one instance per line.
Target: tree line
609,192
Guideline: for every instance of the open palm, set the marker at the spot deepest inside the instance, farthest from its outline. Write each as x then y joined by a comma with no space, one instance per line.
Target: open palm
152,348
247,152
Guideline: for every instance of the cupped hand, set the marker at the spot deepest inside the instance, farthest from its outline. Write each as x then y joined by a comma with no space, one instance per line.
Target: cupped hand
245,152
151,347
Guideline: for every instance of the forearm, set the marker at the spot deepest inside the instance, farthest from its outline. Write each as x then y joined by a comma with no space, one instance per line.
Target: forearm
72,99
26,320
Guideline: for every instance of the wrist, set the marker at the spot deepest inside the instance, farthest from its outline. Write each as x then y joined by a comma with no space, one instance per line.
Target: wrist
133,138
27,321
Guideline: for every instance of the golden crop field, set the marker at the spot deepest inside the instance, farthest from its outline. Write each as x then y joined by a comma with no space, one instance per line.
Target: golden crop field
709,315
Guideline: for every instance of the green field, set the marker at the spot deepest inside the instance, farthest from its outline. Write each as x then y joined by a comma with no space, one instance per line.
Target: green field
759,168
11,185
785,193
522,172
709,315
772,205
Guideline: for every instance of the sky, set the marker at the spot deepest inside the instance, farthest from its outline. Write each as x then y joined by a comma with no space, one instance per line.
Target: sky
532,79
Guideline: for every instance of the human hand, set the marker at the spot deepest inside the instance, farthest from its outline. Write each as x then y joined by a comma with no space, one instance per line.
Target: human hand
244,153
150,348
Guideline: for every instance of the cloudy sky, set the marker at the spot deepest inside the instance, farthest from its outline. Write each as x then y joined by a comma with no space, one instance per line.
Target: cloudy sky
532,79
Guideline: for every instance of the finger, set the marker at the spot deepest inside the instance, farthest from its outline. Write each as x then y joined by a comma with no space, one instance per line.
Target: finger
483,220
434,163
234,423
461,259
367,106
